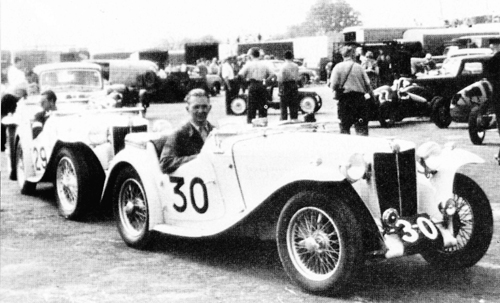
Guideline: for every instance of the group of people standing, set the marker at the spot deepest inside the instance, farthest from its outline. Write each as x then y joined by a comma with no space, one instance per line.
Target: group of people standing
256,73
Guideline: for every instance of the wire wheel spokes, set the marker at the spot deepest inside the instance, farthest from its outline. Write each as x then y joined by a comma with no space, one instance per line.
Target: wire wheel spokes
463,224
313,243
67,183
133,207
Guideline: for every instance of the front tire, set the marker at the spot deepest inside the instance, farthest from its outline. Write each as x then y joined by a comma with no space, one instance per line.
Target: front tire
131,209
238,106
26,187
319,242
77,189
440,113
476,131
473,223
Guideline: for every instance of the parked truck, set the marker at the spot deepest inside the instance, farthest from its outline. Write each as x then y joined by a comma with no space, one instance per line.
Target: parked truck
434,41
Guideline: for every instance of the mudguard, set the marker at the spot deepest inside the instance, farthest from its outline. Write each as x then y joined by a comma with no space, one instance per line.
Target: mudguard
439,185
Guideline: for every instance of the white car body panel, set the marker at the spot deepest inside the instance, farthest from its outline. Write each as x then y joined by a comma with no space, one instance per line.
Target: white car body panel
236,184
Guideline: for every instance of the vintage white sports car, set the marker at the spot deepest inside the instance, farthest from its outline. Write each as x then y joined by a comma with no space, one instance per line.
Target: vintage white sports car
73,150
329,200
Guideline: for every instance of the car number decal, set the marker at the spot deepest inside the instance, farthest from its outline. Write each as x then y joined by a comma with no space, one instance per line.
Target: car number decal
40,157
425,226
179,181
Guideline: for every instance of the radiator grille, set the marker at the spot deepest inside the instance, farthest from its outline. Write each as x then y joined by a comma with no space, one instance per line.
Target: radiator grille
119,134
396,181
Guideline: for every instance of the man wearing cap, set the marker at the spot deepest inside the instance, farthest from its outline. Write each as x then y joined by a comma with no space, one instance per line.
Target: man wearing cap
288,76
256,72
493,76
186,142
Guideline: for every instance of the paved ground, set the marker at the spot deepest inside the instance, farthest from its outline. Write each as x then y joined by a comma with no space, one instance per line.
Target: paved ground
44,258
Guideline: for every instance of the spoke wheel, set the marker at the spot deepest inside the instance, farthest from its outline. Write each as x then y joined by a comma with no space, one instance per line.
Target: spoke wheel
440,112
238,106
131,209
79,181
319,242
67,186
313,243
308,105
473,227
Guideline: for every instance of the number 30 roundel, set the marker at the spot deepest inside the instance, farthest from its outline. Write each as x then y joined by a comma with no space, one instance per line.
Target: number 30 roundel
179,182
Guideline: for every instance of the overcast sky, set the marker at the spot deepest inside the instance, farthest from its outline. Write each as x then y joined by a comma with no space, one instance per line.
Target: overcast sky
103,25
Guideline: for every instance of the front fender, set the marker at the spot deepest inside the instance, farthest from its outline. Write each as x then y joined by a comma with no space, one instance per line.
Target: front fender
145,162
441,183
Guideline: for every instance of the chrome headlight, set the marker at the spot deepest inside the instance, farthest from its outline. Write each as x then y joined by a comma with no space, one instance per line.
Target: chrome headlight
390,217
355,168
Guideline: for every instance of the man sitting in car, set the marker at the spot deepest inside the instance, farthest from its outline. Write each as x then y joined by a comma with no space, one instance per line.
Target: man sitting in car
186,142
49,99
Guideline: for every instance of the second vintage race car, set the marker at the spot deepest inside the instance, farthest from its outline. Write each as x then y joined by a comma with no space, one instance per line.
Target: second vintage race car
473,105
73,150
330,201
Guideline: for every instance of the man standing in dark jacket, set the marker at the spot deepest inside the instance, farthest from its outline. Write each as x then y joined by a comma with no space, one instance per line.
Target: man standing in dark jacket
493,75
186,142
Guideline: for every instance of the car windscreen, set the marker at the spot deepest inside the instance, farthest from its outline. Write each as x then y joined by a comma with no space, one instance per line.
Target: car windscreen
71,79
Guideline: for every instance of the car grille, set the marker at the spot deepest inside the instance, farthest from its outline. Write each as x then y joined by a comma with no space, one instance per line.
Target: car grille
396,181
120,132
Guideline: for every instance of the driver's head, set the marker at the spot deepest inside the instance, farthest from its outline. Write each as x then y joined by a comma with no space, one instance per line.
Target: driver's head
49,99
198,105
495,44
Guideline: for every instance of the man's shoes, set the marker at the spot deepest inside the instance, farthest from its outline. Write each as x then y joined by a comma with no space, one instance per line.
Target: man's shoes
3,149
497,157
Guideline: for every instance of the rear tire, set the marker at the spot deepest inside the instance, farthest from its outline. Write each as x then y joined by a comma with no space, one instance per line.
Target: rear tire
319,242
440,113
239,105
476,131
308,105
131,209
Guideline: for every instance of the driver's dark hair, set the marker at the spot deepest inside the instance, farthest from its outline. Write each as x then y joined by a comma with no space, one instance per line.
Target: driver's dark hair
288,55
255,52
197,92
51,96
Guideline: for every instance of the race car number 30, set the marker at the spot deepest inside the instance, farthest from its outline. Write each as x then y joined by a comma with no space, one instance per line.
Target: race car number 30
179,182
411,231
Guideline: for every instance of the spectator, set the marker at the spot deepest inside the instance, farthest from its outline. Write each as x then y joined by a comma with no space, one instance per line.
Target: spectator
429,63
383,69
328,70
372,70
214,67
15,76
48,102
350,84
230,86
255,72
288,76
9,105
186,142
493,76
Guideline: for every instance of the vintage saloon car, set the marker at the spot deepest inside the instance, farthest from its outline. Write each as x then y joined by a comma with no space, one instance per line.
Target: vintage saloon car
431,94
73,150
473,105
329,200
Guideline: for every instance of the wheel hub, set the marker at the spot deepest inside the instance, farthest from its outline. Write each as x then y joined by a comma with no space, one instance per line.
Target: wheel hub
316,243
